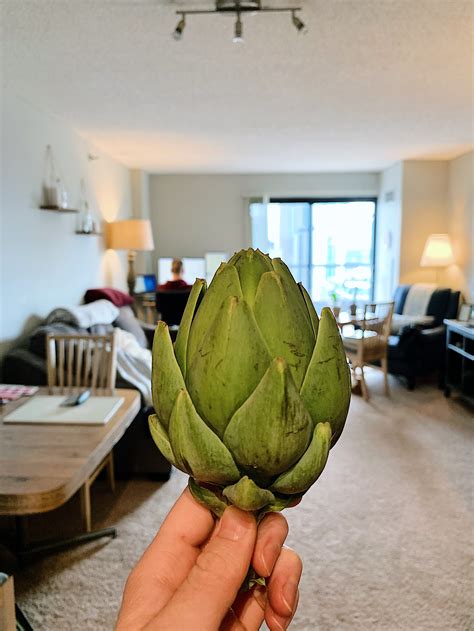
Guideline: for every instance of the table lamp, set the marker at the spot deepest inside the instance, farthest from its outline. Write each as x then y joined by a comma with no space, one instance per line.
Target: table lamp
437,252
132,235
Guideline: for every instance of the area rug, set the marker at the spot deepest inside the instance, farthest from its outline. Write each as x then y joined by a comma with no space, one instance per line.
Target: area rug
385,535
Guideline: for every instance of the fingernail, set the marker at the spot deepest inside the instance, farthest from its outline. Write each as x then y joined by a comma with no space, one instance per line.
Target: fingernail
289,591
234,524
270,555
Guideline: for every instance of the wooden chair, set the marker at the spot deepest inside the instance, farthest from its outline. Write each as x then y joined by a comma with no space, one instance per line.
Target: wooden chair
75,363
368,344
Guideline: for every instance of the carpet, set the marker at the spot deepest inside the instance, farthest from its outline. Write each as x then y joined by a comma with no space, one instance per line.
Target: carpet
385,535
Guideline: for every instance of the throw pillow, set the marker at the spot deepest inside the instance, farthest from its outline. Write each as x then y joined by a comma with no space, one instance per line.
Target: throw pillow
116,297
128,322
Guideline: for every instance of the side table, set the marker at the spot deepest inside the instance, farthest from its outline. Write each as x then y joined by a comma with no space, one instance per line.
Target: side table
460,359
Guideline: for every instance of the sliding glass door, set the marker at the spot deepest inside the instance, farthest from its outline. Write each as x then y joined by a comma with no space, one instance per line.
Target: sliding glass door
328,244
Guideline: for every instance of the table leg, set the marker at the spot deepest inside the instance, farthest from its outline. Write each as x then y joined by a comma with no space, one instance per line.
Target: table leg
48,547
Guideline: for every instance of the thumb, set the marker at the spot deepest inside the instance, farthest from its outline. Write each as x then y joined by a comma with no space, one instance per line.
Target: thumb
204,598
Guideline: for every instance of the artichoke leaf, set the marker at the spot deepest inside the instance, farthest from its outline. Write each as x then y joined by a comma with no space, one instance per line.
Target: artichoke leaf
196,448
167,379
283,271
284,324
311,310
181,344
161,438
308,469
207,498
228,365
246,495
326,389
224,284
273,428
250,265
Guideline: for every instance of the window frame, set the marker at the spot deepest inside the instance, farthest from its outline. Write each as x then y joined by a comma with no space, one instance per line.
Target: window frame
330,200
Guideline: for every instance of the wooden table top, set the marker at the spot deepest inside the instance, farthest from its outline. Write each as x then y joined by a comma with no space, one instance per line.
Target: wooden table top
42,466
345,318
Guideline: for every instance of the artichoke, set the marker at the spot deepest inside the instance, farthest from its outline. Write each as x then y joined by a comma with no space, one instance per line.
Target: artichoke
254,392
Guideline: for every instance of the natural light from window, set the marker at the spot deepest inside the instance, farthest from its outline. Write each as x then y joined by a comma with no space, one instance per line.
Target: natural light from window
328,245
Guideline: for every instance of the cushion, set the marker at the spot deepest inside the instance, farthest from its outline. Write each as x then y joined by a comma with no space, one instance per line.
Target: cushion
400,296
128,322
399,321
418,298
439,304
116,297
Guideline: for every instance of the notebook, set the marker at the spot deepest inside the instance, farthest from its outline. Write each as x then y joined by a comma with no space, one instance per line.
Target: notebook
47,410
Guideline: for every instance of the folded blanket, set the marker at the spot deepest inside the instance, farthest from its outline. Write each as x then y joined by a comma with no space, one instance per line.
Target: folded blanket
399,321
85,316
134,363
418,298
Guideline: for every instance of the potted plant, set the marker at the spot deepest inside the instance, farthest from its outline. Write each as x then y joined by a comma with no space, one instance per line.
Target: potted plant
353,306
335,308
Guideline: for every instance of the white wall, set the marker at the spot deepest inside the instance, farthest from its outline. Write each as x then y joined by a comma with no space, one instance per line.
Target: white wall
424,203
388,232
461,224
44,264
193,214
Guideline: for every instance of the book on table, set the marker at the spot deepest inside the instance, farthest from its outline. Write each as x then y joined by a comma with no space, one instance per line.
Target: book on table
46,409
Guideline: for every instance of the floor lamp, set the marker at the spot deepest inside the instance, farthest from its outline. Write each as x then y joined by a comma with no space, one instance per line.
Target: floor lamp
437,253
132,235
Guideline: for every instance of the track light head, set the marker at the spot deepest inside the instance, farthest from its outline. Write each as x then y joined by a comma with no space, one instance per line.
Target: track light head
178,31
298,24
238,32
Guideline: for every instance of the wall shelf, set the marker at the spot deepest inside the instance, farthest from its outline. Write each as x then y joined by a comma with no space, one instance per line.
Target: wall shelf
97,234
57,209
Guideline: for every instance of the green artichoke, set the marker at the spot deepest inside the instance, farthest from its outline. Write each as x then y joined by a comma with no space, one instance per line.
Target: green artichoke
255,390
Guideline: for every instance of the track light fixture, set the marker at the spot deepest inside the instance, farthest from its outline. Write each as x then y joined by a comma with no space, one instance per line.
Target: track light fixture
238,39
178,31
299,24
238,7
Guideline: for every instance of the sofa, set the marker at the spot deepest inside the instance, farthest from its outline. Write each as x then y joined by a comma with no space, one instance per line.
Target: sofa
25,363
417,348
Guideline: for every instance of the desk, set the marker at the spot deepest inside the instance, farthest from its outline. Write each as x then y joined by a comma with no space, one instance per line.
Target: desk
42,466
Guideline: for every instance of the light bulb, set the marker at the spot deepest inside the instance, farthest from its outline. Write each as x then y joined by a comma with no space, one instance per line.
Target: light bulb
238,38
178,32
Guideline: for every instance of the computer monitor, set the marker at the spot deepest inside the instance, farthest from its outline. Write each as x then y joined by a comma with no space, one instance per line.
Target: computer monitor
145,283
193,268
213,260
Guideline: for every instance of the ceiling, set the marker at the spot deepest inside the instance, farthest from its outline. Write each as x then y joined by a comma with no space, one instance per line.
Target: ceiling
373,82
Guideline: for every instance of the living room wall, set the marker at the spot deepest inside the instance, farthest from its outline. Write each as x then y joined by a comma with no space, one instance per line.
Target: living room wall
461,224
194,214
44,264
438,196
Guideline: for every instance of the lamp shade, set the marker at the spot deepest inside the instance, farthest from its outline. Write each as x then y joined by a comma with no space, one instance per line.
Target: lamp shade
130,234
438,251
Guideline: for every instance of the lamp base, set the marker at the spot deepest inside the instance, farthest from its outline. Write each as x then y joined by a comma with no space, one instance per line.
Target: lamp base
131,272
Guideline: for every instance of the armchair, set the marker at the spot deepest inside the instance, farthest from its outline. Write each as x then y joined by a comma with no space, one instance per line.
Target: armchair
418,349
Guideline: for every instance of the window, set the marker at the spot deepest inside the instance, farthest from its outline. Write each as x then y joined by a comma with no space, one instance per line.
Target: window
327,244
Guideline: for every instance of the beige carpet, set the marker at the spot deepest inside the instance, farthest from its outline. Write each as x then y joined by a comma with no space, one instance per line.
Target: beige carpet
385,535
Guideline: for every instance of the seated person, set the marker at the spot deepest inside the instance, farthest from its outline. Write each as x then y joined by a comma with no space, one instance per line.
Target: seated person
177,281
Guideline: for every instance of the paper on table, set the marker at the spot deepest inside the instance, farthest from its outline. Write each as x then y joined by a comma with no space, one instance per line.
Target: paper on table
46,410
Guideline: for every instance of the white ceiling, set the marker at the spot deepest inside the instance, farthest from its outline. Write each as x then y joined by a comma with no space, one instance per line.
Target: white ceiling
373,82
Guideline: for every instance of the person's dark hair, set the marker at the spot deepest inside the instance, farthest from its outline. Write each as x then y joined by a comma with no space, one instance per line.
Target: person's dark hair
177,266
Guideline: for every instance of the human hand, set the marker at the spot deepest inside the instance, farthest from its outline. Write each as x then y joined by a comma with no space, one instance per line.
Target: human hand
189,577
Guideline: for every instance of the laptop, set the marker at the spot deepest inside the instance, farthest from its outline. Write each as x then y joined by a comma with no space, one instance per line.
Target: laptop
145,283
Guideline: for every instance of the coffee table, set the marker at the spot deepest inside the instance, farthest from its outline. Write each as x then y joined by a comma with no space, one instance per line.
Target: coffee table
42,466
